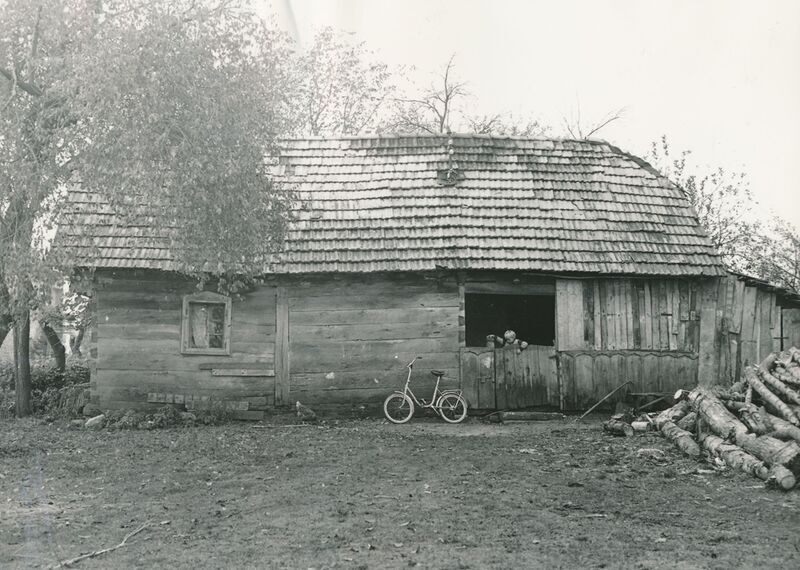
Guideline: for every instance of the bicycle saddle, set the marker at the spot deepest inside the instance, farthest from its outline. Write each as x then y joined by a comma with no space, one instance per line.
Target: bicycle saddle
437,372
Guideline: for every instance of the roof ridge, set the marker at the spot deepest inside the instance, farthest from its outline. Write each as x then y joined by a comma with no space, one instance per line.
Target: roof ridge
480,136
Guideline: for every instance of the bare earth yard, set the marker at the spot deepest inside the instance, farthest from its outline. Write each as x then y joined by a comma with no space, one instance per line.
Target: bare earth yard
365,494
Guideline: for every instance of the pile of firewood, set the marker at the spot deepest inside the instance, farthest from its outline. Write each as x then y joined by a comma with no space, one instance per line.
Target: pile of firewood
752,425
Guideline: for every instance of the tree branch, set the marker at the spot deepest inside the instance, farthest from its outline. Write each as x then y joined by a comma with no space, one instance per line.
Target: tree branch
28,88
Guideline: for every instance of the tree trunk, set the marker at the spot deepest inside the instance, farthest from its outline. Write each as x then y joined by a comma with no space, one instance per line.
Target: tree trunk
774,401
22,361
616,427
783,375
780,428
772,451
751,417
6,324
59,351
779,387
673,414
75,343
737,458
714,413
681,438
688,422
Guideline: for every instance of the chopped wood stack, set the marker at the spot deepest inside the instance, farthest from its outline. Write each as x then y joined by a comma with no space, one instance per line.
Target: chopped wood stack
753,425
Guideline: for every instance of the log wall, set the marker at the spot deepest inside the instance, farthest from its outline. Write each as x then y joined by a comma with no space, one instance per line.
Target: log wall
137,347
351,336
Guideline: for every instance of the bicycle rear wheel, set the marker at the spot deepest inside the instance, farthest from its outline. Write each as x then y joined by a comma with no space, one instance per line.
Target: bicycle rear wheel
452,408
398,408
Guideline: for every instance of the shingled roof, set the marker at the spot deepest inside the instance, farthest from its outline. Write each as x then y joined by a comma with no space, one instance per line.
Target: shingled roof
410,203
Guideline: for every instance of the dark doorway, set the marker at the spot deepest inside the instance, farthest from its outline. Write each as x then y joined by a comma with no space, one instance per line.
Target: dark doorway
532,317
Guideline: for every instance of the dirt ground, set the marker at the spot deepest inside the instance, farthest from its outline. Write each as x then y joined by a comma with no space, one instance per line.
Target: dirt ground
366,494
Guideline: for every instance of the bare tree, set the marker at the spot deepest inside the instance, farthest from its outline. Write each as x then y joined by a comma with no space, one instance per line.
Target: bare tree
432,112
580,131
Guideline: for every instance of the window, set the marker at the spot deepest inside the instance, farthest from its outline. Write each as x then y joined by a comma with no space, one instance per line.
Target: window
206,324
532,317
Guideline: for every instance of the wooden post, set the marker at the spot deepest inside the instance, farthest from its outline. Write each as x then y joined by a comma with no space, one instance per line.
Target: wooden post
707,361
281,347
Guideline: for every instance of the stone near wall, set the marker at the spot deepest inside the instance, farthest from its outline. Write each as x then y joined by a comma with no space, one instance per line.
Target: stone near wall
96,422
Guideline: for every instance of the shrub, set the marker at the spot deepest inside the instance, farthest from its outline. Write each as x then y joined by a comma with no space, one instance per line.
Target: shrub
44,374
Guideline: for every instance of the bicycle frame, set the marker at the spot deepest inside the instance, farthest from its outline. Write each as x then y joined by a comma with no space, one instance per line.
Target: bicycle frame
435,397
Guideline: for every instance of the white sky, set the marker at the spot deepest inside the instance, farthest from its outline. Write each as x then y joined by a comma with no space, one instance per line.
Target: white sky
718,77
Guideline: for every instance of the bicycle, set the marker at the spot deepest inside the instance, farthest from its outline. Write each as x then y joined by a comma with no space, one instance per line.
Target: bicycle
449,404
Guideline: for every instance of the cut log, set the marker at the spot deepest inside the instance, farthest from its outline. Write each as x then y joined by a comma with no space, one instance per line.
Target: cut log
737,458
784,358
748,397
780,428
751,417
617,427
727,393
530,416
781,374
774,401
714,413
769,361
784,391
772,451
681,438
795,353
738,387
688,422
673,414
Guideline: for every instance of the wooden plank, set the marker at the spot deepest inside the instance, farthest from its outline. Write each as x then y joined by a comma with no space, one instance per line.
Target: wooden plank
242,372
775,323
619,314
765,338
654,316
583,382
707,371
282,348
645,317
562,315
790,327
376,331
498,287
410,314
604,320
611,315
629,298
422,381
663,312
597,318
462,316
748,337
139,357
636,317
674,319
134,383
721,344
738,307
588,313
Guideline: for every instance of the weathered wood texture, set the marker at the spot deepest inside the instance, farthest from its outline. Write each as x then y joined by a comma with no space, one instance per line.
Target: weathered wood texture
138,343
750,324
526,378
587,375
350,337
628,314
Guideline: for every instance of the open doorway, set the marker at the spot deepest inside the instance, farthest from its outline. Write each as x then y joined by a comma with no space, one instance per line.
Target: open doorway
532,317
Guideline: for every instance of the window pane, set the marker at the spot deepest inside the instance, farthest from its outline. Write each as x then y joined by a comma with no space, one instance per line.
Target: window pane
207,322
199,325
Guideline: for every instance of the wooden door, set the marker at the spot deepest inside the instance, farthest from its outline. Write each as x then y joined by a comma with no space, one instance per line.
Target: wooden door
509,378
526,378
477,377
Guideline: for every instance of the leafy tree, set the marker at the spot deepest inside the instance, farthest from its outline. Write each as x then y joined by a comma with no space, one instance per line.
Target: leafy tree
166,103
340,88
727,211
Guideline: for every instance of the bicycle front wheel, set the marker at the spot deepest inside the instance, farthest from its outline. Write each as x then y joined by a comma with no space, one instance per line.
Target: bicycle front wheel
452,408
398,408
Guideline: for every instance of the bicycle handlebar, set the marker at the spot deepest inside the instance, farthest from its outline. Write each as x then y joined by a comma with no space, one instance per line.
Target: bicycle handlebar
411,364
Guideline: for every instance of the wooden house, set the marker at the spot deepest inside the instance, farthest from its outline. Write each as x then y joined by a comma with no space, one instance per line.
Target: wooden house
423,246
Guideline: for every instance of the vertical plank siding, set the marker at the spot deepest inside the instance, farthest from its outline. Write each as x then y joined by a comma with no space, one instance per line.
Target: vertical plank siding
626,314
